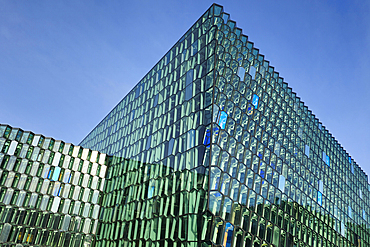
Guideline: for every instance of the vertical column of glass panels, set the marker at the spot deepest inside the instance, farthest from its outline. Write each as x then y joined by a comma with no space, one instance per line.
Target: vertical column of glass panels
50,190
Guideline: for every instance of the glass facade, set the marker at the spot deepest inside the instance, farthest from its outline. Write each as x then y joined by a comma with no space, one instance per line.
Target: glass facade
50,190
210,148
239,159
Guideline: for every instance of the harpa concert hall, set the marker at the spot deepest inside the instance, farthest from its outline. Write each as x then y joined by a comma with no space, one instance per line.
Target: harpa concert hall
210,148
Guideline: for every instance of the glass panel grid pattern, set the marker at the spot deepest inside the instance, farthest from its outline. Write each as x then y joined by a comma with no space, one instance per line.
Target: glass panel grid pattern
50,191
210,148
294,185
157,186
275,176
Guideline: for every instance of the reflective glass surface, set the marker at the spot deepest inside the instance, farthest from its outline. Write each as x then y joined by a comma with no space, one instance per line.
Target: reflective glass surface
210,148
214,123
50,190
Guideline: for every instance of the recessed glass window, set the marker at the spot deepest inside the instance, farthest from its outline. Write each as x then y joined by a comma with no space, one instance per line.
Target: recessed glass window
319,198
222,119
363,214
326,158
255,101
207,137
56,174
282,183
307,150
241,73
252,72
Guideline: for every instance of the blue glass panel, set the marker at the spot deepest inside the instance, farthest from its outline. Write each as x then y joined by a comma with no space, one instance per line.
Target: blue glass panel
349,211
225,17
56,174
151,192
255,101
252,71
222,119
363,214
148,142
273,165
241,73
282,183
262,173
249,110
352,169
49,174
228,234
189,92
207,138
155,101
307,150
170,146
319,198
327,160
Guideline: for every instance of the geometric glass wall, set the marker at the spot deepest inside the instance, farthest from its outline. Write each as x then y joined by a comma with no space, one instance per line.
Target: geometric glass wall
213,108
210,148
50,191
157,183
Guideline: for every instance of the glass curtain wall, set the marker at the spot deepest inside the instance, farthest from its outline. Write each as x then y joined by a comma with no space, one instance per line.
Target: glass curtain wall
212,147
277,176
50,191
157,184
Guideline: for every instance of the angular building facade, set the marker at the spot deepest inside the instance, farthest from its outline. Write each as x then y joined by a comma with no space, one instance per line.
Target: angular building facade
212,148
49,190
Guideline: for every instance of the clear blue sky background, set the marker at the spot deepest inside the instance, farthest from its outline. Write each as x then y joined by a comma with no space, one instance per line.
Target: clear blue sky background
65,64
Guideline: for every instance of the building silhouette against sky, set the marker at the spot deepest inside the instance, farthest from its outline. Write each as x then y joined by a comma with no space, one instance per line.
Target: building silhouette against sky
210,148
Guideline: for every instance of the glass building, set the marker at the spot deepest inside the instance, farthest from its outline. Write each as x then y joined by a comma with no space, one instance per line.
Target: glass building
212,148
49,190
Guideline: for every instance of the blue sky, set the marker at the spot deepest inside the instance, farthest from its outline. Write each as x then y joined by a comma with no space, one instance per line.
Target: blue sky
65,64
